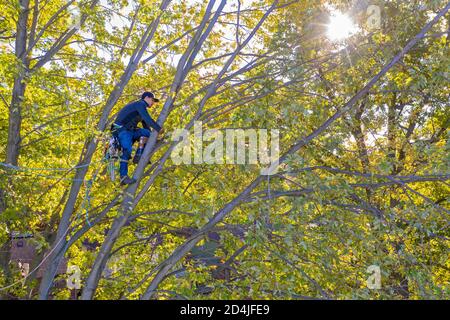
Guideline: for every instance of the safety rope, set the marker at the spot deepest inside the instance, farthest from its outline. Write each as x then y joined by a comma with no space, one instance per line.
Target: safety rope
17,168
87,199
28,169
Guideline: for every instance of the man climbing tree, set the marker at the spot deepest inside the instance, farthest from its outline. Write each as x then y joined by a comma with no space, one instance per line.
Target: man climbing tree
126,130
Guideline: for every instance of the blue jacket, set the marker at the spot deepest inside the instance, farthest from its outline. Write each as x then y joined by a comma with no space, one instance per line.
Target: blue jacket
133,113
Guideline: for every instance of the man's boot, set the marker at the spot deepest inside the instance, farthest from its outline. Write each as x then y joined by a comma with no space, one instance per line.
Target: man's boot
126,180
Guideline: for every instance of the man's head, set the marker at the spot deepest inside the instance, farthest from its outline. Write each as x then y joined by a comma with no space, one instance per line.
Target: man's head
149,97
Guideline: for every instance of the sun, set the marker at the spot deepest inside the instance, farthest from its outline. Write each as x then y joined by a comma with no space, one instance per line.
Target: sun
340,27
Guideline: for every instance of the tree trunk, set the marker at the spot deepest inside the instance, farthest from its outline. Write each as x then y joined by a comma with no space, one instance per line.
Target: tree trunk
15,116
